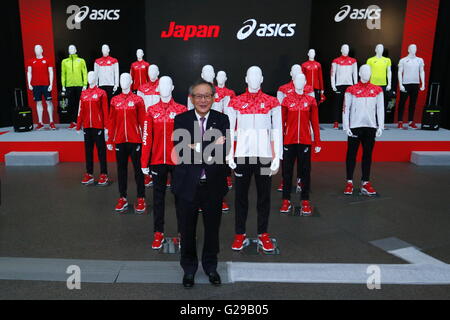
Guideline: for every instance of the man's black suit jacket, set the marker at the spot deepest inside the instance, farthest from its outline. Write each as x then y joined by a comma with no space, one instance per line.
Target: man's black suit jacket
186,176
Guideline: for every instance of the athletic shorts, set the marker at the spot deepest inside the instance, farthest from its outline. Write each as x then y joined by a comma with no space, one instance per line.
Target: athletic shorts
39,91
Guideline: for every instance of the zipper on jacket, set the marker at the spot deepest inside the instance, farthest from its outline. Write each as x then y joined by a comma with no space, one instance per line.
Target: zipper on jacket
90,111
165,141
298,127
125,117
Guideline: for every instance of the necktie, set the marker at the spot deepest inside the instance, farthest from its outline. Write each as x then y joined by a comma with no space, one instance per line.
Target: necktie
202,121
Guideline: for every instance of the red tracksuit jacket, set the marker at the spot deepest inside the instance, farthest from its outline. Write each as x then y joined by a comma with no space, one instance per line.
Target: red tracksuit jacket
126,119
300,113
313,73
93,111
139,74
158,129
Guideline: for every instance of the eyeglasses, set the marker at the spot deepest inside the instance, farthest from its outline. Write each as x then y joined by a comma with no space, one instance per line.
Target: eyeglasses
202,96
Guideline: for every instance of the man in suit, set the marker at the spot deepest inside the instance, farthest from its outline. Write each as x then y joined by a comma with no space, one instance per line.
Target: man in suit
200,179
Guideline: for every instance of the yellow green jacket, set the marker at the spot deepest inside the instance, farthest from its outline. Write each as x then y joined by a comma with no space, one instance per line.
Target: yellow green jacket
73,72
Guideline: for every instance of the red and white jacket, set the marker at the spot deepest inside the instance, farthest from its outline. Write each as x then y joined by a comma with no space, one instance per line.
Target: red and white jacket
223,93
126,119
313,73
344,71
93,110
158,129
149,92
139,74
363,106
107,71
259,123
300,120
289,88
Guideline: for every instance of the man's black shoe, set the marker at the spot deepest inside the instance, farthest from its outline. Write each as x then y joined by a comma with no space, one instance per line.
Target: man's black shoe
188,281
214,279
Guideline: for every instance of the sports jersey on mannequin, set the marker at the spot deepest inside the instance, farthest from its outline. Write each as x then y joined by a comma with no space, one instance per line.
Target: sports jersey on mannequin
73,80
208,75
125,126
314,75
363,120
106,70
288,88
40,81
157,151
139,71
344,73
92,116
411,73
300,114
149,91
258,116
222,91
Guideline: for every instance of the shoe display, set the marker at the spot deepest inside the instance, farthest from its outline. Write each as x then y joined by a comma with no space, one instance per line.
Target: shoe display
122,205
286,206
140,206
52,126
265,242
73,125
87,179
240,241
158,240
229,183
225,206
367,189
148,181
39,126
103,180
349,188
306,208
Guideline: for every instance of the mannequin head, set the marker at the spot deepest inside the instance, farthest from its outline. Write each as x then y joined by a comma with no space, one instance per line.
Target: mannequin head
38,50
299,82
125,82
153,72
412,49
295,70
379,50
254,79
140,54
105,50
312,54
365,73
221,78
91,79
345,50
208,73
165,88
72,49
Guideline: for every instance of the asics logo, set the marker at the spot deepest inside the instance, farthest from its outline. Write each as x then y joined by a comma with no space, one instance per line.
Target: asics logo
371,13
78,14
266,30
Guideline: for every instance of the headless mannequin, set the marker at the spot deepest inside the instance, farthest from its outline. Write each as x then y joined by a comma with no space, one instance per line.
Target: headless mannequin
411,76
295,70
38,50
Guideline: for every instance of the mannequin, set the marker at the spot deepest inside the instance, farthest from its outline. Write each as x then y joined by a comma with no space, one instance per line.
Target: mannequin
344,73
107,72
157,149
149,91
313,72
73,80
139,71
289,88
125,127
363,120
92,116
260,125
208,75
40,81
411,73
300,114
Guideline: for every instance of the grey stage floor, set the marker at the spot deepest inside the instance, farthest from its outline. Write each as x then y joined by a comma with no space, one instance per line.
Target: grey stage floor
46,213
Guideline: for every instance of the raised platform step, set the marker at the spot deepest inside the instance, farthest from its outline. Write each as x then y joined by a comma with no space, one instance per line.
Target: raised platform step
431,158
20,159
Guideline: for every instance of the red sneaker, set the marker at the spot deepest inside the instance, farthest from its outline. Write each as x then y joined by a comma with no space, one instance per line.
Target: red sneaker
158,240
39,126
225,206
168,183
52,126
148,181
336,126
87,179
103,180
280,187
349,189
286,206
73,125
122,205
400,125
140,206
412,125
368,190
306,208
240,241
229,183
265,242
